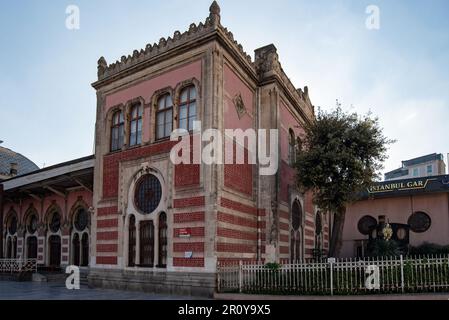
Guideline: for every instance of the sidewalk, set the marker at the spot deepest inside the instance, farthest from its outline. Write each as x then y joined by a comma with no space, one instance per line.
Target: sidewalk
425,296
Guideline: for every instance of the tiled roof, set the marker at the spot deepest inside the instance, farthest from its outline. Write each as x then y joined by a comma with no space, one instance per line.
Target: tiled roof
24,165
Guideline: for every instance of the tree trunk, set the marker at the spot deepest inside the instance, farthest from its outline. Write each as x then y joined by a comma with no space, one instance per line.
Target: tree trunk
337,232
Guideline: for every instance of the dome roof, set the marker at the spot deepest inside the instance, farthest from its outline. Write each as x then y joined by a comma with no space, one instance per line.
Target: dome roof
24,165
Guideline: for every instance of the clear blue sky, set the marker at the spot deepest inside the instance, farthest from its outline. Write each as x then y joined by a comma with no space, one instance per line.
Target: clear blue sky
400,72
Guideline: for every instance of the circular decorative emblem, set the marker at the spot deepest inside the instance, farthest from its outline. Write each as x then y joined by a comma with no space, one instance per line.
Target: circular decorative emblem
296,215
55,222
32,224
12,228
148,194
387,232
419,222
365,224
81,219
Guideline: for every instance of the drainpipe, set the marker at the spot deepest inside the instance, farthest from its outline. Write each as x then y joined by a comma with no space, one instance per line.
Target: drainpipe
1,221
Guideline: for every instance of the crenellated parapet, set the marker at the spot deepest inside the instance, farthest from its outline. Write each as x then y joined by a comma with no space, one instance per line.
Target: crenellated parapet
211,25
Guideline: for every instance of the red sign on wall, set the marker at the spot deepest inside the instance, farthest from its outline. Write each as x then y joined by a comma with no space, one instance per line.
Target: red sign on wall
185,232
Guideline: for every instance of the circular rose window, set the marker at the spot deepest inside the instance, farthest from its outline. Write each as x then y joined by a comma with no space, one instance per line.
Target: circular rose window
366,224
148,194
419,222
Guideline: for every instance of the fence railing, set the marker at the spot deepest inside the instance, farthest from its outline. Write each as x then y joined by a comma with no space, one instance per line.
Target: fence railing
338,276
18,265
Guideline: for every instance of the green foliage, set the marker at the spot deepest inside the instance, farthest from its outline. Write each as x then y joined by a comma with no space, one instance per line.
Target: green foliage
339,156
383,248
429,249
273,266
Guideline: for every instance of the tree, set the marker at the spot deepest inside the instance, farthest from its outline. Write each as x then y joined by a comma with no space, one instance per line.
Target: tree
339,156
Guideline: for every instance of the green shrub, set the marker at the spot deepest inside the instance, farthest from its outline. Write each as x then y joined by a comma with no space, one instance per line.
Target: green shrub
428,249
383,248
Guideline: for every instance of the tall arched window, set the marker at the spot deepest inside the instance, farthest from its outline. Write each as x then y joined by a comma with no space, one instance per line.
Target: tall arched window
132,241
11,236
85,250
80,238
146,244
135,128
31,237
187,108
76,249
291,148
117,131
295,241
162,240
164,117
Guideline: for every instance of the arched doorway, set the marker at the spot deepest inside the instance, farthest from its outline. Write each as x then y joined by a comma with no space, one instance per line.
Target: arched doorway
31,223
54,239
32,247
55,250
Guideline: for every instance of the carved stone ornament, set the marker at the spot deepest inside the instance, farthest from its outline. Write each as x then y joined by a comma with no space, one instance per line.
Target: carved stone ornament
239,105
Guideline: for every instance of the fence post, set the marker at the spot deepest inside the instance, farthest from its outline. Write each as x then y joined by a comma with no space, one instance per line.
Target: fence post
240,276
332,276
402,274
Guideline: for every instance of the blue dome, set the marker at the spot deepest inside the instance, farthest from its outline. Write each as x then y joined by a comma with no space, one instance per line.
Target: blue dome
24,165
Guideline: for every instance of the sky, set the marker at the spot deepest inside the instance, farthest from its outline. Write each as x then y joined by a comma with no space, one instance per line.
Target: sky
399,72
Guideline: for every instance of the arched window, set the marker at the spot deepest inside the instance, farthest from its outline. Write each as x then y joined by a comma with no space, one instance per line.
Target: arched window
164,117
76,249
187,108
81,219
163,240
296,215
55,222
146,244
318,231
85,250
11,237
135,126
291,148
295,241
117,131
132,242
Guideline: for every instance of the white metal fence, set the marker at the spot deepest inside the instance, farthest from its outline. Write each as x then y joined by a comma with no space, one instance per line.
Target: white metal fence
18,265
342,276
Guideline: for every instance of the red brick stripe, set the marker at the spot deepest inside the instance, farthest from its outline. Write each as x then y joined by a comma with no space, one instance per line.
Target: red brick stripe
192,263
107,260
236,248
235,220
188,202
107,211
236,234
107,235
227,203
189,217
188,246
110,223
107,248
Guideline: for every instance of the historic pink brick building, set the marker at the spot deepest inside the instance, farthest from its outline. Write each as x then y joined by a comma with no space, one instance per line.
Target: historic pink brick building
161,226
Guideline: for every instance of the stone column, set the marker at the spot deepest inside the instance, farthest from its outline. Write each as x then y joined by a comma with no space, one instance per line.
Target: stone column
65,244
